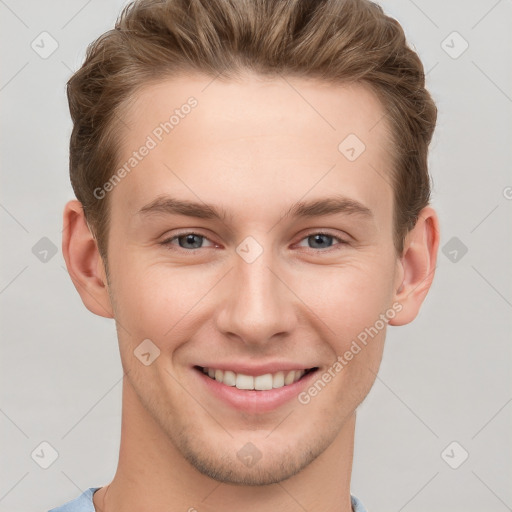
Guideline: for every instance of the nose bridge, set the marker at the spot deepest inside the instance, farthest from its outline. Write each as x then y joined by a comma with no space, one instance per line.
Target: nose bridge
258,304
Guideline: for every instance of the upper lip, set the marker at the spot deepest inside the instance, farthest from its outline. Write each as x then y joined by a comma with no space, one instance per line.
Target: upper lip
257,369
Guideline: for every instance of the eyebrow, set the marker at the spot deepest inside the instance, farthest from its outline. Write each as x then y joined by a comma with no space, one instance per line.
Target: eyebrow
168,205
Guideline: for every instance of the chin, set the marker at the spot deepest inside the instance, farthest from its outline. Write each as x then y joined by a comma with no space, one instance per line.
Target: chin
251,463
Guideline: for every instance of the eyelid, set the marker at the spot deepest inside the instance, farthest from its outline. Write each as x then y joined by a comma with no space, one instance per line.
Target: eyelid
342,241
167,241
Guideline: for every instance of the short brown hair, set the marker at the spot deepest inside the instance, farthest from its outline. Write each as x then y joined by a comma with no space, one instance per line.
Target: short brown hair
340,41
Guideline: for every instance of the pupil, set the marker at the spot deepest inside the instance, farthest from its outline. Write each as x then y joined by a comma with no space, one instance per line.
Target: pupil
189,239
318,238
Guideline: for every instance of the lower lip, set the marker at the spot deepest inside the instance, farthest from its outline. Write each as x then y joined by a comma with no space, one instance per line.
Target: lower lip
252,400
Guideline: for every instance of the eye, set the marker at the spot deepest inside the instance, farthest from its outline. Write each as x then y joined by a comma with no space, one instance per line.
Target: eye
322,240
188,241
192,241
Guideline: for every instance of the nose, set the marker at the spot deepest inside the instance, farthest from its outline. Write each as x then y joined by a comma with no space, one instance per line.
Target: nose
257,305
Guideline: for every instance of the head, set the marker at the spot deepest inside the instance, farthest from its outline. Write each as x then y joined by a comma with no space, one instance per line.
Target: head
291,124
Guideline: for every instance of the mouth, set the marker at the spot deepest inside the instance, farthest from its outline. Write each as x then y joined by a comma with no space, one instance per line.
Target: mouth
265,382
269,388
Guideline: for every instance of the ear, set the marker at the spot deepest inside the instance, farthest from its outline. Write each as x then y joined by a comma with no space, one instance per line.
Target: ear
416,267
84,262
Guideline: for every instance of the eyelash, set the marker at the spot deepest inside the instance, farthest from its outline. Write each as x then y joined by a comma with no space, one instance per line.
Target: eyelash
168,242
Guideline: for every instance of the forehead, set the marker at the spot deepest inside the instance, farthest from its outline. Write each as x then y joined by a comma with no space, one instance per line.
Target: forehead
260,106
234,140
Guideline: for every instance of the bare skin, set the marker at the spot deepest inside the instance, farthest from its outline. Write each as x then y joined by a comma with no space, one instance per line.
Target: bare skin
253,148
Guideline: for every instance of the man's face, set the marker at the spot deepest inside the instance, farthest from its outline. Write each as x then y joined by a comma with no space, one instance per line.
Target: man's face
261,289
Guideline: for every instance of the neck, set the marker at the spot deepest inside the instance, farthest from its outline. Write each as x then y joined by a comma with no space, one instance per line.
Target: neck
153,475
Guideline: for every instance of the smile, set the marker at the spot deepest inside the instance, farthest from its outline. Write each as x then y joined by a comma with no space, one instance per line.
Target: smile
260,382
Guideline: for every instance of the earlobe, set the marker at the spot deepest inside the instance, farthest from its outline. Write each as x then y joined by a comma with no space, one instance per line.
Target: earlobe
417,266
83,261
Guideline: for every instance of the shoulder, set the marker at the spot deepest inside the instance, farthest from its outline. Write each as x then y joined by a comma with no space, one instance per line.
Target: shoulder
82,503
357,506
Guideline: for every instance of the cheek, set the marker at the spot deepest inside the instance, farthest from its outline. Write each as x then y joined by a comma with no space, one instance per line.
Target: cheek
158,302
349,297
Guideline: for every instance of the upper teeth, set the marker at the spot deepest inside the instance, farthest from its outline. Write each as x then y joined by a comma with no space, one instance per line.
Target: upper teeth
261,382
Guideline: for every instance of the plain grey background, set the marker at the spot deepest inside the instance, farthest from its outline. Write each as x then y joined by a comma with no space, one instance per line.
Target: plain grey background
444,389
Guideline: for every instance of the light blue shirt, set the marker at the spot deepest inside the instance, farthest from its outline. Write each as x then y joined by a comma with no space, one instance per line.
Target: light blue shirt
84,503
